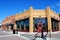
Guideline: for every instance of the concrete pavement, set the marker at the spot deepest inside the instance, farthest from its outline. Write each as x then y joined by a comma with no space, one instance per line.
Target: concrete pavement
54,36
7,35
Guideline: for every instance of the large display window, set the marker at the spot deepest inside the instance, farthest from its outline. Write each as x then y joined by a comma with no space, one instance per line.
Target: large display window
55,26
23,25
43,21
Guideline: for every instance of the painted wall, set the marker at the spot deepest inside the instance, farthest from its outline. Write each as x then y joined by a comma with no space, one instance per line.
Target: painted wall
22,15
39,13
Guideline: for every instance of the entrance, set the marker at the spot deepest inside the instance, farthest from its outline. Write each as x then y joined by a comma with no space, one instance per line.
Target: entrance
42,21
55,26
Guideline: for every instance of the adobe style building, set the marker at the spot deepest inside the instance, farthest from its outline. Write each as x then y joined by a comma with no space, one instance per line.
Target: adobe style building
28,20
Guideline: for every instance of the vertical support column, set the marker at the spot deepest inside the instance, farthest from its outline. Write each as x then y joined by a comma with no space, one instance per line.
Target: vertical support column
31,20
49,19
59,26
14,28
59,23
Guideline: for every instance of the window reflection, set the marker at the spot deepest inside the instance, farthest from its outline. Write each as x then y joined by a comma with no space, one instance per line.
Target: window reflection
54,25
40,20
23,25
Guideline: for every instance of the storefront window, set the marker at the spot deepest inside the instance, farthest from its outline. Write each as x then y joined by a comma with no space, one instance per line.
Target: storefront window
43,21
23,25
54,25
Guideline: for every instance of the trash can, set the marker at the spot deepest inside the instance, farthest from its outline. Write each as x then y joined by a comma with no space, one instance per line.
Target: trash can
13,31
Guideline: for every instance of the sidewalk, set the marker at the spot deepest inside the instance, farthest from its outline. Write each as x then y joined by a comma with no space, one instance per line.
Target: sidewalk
30,36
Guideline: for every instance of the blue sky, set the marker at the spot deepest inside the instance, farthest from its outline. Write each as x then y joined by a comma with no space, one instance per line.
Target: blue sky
11,7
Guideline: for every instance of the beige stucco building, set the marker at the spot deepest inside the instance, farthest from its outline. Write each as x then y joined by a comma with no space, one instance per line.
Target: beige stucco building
29,19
